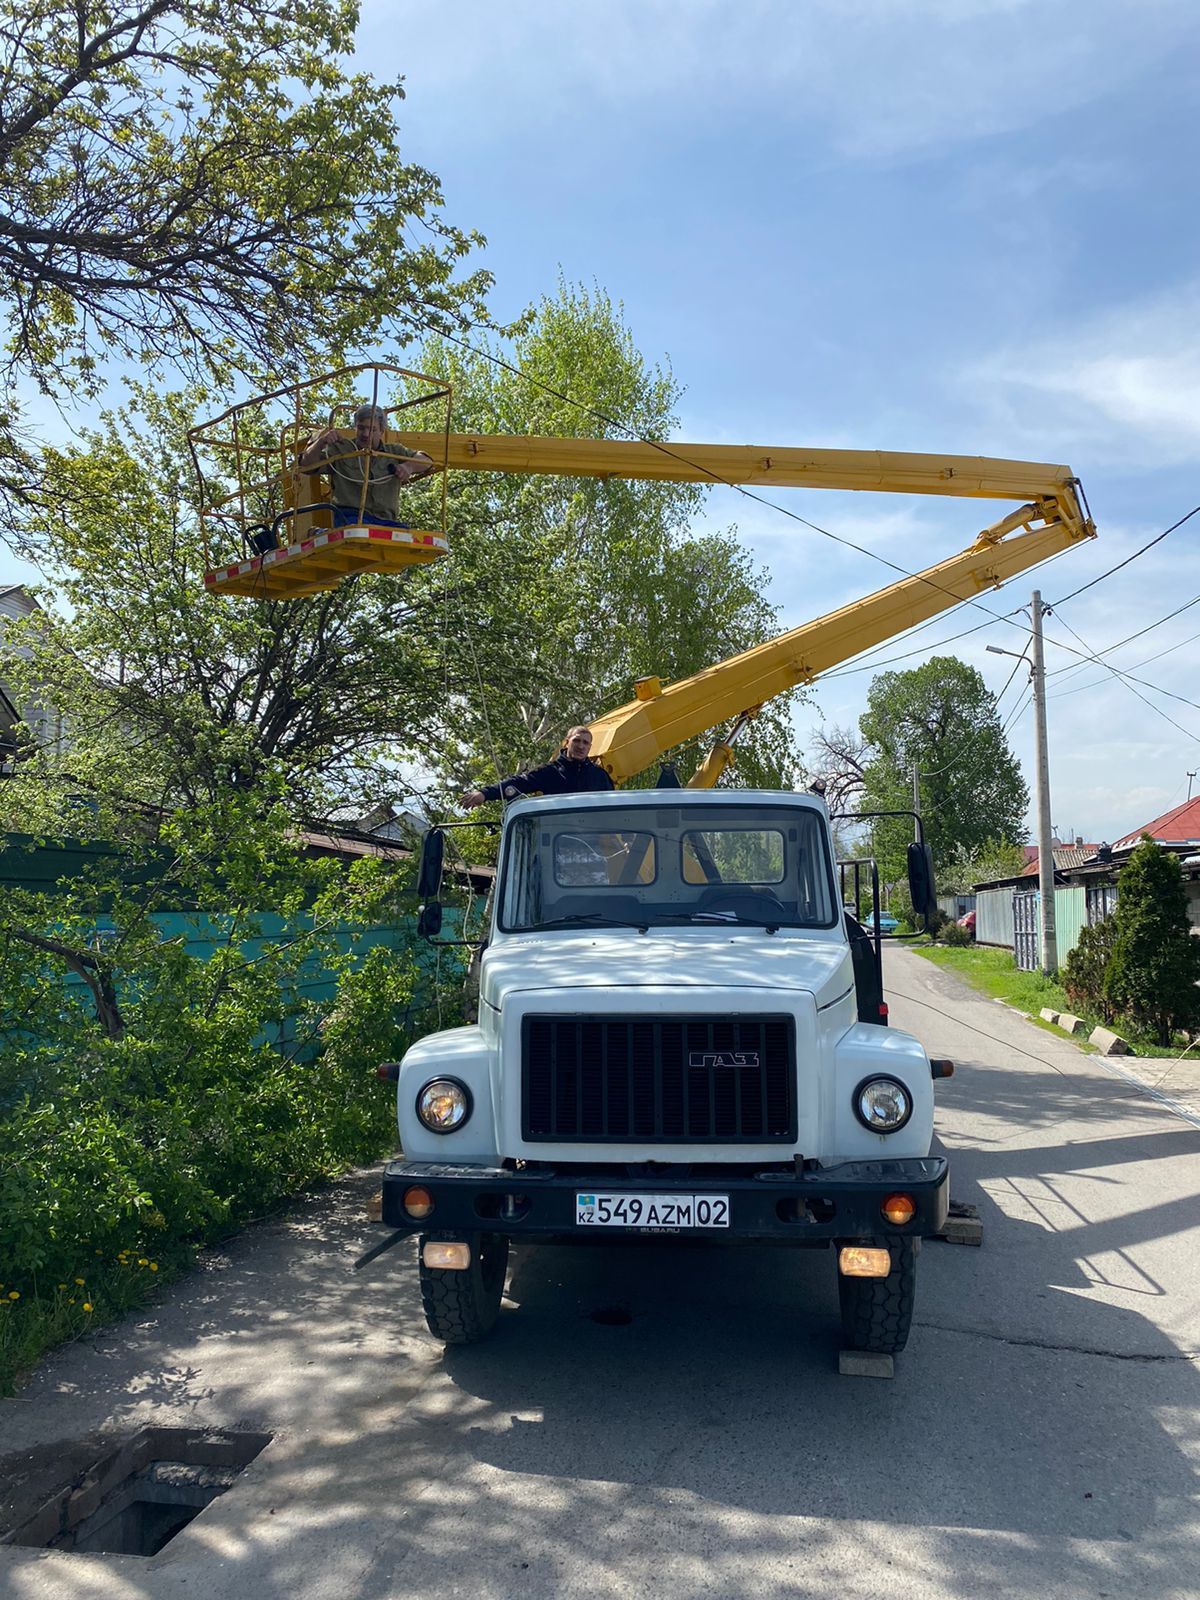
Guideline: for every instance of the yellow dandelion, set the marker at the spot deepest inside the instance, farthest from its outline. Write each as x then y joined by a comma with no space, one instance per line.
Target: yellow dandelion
79,1281
14,1294
70,1302
142,1262
62,1286
87,1305
154,1266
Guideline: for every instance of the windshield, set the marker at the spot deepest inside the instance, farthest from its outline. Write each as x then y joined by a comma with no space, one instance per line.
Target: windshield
652,866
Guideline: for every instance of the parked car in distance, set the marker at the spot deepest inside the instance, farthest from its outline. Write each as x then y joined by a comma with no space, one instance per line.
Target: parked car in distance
887,924
967,921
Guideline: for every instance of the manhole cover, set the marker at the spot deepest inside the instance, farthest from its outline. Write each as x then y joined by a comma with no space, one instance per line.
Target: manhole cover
140,1495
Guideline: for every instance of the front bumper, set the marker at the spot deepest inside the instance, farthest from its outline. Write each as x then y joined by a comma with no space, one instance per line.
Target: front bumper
840,1202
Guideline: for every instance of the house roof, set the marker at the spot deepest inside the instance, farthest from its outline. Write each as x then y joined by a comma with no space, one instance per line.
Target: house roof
1180,826
1066,857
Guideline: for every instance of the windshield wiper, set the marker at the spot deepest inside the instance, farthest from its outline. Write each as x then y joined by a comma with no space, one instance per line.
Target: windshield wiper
595,919
727,919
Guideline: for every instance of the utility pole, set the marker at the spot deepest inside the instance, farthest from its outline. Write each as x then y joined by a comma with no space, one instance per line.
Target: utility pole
1045,831
916,783
1190,776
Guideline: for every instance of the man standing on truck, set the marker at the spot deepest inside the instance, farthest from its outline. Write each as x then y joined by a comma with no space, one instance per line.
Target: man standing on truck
571,772
385,469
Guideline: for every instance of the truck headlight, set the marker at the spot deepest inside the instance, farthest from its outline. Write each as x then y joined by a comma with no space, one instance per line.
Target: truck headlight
882,1104
443,1105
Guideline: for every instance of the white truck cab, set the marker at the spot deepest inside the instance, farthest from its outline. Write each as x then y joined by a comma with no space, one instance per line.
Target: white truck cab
671,1042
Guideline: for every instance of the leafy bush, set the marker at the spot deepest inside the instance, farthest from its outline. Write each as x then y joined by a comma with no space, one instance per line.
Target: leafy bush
954,935
162,1099
1155,966
1084,973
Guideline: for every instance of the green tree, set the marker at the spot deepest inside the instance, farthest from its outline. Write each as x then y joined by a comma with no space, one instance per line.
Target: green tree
573,588
1153,974
555,597
942,719
964,867
174,697
201,183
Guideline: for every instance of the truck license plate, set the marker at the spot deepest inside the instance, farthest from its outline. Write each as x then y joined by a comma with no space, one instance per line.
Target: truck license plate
651,1210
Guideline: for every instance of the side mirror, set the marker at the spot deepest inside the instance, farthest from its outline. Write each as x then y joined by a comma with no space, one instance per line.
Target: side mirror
433,851
429,922
920,879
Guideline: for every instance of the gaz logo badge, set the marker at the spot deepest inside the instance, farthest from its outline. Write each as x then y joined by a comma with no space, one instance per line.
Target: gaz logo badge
723,1058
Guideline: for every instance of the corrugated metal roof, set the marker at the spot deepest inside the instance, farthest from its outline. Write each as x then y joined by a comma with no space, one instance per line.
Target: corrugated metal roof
1066,857
1179,826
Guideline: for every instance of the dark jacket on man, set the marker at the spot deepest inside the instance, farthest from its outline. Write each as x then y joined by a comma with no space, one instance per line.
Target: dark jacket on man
560,776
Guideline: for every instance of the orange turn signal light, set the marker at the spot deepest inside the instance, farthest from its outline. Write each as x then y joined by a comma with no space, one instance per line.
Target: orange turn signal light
863,1261
446,1255
418,1202
899,1209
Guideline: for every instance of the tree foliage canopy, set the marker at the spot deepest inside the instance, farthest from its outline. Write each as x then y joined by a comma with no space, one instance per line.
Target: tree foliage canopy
940,718
574,588
200,182
556,595
174,697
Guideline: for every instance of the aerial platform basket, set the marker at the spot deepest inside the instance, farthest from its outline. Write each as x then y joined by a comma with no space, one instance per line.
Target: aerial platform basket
248,463
322,561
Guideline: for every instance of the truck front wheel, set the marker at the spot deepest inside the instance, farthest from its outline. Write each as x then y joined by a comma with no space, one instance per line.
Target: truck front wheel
877,1312
461,1307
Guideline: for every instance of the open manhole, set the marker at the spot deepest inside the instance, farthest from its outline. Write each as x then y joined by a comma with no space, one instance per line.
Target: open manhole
141,1494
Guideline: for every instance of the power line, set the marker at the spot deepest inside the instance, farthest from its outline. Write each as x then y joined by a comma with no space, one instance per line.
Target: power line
1096,682
979,732
1128,682
1156,540
677,455
1149,628
1091,657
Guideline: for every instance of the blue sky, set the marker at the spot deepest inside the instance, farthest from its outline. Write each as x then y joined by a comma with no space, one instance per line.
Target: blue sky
918,225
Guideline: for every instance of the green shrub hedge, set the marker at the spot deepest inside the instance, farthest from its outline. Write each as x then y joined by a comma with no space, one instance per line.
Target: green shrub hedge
166,1099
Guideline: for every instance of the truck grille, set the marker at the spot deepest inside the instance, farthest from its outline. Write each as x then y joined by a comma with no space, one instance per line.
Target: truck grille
668,1079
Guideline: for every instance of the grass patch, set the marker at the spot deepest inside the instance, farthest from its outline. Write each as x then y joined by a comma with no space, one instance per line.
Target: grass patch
995,973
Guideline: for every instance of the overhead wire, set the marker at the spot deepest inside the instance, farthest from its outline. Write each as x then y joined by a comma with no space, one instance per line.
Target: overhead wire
1090,658
715,477
979,732
628,429
1129,682
1137,666
867,664
1130,637
1158,538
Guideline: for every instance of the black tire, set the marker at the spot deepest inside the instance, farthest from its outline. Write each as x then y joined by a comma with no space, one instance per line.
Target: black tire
877,1312
462,1307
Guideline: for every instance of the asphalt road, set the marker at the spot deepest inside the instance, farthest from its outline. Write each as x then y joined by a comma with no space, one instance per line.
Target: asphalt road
1040,1437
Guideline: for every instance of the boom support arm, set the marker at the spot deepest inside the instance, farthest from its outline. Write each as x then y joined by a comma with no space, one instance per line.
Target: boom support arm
633,737
883,471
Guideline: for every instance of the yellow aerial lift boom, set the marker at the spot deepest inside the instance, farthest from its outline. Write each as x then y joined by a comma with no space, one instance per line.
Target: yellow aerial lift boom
626,741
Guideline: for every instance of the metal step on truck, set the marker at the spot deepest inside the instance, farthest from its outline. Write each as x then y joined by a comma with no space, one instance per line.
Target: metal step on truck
681,1034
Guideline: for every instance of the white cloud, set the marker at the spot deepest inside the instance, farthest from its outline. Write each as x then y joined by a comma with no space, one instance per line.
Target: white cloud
877,79
1124,384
